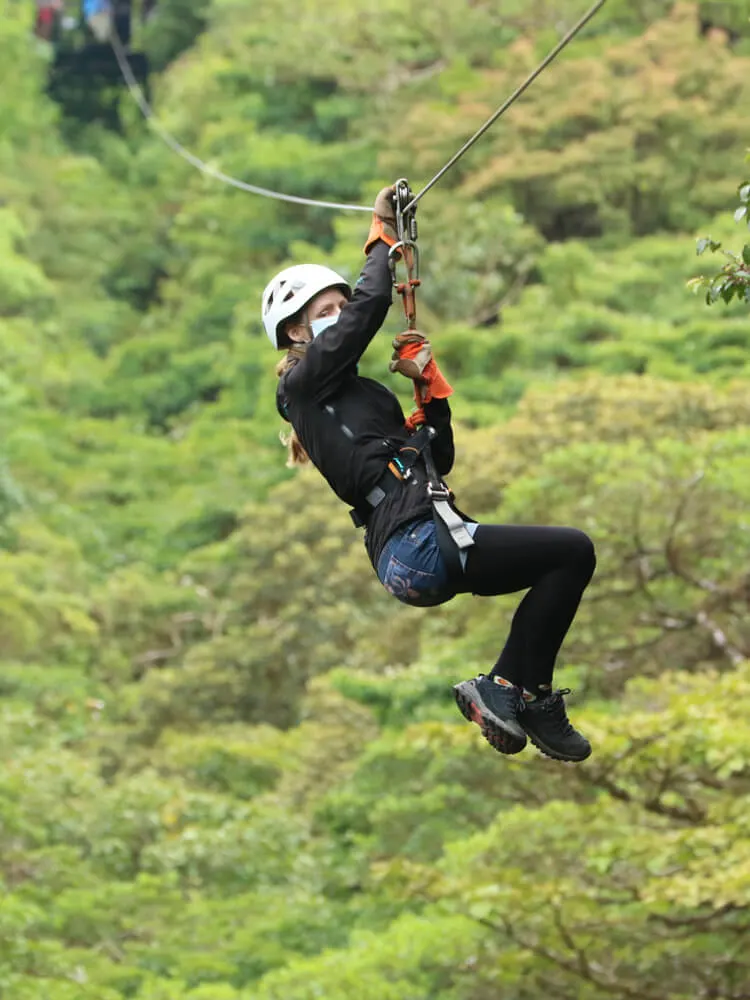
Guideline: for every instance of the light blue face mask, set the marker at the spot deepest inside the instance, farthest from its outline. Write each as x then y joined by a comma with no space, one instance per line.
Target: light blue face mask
319,325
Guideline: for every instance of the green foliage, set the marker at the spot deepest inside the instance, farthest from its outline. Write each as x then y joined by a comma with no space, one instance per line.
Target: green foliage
733,281
655,885
599,160
177,27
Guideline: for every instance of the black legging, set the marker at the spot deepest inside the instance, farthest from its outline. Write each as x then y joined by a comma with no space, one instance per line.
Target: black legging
557,564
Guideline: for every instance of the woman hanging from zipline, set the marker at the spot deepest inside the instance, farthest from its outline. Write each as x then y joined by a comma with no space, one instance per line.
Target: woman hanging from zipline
389,469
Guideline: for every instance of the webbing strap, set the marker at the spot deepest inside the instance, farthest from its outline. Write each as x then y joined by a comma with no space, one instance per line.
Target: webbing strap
418,445
437,492
461,536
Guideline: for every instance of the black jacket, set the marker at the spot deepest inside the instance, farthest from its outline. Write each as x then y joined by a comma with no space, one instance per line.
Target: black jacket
351,426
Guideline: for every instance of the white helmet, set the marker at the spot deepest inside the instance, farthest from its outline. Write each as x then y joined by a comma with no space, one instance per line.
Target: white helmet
291,290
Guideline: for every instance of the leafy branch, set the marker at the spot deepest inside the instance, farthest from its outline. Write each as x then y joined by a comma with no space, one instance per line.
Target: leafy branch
733,280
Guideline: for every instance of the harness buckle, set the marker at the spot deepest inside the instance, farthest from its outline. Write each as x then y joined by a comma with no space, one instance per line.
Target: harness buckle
440,492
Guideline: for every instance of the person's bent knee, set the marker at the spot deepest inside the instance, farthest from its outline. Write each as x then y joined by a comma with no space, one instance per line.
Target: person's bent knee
582,550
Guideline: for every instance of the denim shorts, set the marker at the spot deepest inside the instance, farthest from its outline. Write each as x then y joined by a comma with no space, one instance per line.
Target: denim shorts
411,567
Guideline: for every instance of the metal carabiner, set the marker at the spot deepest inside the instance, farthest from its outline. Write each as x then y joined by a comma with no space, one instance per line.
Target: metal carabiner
406,248
406,218
410,253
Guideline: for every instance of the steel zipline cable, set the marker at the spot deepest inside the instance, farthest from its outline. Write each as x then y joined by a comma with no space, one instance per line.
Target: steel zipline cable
177,147
563,43
195,161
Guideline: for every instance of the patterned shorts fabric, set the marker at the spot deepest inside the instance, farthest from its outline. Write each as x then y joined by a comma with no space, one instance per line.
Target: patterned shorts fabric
411,567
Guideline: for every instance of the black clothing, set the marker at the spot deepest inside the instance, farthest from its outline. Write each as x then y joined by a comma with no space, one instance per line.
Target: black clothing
351,426
547,724
557,564
496,709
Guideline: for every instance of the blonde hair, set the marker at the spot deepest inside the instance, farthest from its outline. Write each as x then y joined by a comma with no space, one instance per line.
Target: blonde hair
296,454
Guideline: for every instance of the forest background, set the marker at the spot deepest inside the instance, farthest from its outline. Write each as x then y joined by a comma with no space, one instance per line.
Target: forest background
232,767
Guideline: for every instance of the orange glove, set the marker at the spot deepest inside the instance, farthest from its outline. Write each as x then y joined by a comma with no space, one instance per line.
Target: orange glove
415,420
383,225
413,357
436,384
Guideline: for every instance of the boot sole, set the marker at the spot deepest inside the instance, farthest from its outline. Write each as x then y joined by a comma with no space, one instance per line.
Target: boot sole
498,733
556,754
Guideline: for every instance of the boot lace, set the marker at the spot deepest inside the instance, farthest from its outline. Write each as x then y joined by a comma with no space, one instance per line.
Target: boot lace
554,705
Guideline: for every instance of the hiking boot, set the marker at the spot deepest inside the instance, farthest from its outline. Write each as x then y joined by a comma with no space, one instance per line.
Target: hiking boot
547,726
495,708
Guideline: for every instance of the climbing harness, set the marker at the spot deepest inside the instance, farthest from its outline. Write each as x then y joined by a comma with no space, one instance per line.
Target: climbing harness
176,147
400,473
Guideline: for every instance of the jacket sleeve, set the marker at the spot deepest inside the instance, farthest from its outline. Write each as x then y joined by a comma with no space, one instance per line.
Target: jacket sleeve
340,346
438,414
